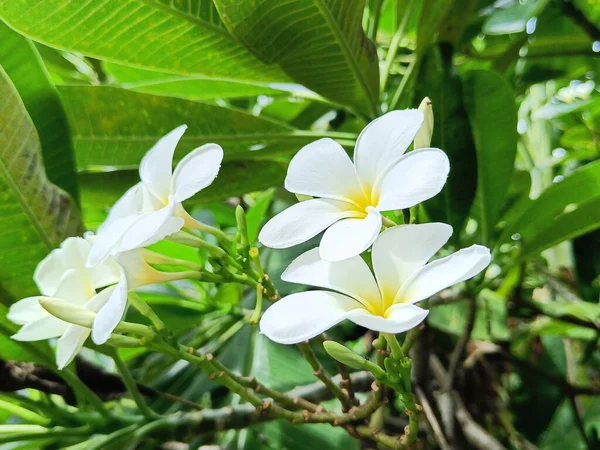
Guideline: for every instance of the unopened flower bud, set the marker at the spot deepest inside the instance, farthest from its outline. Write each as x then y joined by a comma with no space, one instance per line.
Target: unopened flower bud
423,136
351,359
66,311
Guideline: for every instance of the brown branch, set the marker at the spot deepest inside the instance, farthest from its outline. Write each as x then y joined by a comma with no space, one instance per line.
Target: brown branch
461,345
436,429
475,434
321,374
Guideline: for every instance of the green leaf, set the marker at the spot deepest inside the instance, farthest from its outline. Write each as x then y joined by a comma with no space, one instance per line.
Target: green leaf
193,88
100,190
514,18
23,64
490,318
451,133
145,33
489,101
204,10
35,215
318,43
573,191
569,225
580,310
256,215
116,127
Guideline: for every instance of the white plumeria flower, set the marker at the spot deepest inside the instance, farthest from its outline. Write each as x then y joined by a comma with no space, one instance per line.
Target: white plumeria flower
384,302
73,254
382,178
75,287
152,210
64,275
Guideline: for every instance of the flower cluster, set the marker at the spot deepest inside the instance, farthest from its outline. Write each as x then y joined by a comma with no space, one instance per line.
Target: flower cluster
382,178
93,276
96,273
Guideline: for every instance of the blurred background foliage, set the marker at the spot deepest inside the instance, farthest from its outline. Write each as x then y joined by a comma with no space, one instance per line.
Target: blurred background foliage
87,86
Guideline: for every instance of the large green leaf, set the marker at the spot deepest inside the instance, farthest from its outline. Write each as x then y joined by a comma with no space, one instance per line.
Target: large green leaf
319,43
21,61
147,34
451,133
568,225
190,87
100,190
116,127
578,188
489,101
514,18
35,215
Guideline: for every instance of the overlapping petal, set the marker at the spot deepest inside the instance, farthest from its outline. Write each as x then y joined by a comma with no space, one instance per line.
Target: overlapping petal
350,237
156,168
444,272
304,315
303,221
196,170
114,301
351,276
45,328
152,227
70,344
383,142
416,177
323,169
400,251
398,319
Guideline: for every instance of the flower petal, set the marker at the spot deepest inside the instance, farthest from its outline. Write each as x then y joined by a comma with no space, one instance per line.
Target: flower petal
196,170
152,227
416,177
351,276
70,344
109,241
323,169
304,315
350,237
111,304
45,328
383,141
26,310
400,251
75,287
303,221
444,272
72,253
129,204
399,318
156,167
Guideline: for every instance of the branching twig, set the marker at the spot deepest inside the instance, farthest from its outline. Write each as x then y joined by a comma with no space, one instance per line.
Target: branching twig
474,433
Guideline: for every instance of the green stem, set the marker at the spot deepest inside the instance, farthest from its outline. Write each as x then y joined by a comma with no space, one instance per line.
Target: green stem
254,255
394,44
131,385
84,392
397,352
403,83
258,308
374,20
147,311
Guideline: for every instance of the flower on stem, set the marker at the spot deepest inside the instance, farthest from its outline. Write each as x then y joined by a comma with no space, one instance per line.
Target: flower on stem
353,195
382,302
76,287
63,275
152,210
